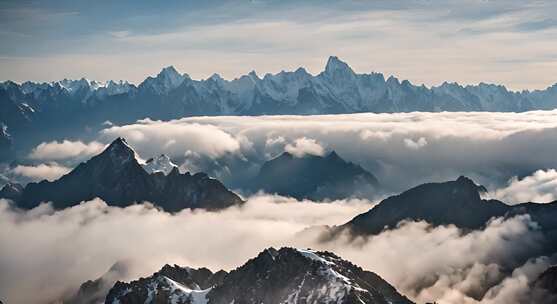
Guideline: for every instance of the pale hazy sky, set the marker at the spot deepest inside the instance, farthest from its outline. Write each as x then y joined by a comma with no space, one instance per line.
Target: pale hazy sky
429,41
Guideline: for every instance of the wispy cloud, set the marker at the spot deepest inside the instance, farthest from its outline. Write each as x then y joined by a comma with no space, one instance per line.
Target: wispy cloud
426,42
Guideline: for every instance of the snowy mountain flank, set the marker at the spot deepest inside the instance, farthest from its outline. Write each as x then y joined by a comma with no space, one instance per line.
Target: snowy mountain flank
34,111
286,275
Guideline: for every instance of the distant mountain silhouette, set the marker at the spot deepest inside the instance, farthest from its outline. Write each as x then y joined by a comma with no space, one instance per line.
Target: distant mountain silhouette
116,176
315,177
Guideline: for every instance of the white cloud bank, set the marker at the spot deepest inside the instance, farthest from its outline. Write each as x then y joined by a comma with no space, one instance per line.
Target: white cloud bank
46,254
401,149
302,146
48,171
540,187
55,150
174,138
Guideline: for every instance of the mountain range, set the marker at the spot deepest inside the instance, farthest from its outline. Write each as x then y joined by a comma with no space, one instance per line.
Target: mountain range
315,177
117,177
286,275
34,112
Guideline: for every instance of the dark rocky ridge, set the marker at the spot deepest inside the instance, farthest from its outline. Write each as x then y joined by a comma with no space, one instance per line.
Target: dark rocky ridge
275,276
116,177
545,286
315,177
456,202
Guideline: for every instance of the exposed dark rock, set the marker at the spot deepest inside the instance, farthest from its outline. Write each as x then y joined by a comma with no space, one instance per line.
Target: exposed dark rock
315,177
275,276
456,202
116,177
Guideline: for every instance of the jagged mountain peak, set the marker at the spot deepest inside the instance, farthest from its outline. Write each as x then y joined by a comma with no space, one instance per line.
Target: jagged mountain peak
335,65
165,81
290,275
119,152
168,71
286,275
253,75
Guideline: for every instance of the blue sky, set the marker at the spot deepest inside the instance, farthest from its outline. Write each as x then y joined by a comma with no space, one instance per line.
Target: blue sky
426,41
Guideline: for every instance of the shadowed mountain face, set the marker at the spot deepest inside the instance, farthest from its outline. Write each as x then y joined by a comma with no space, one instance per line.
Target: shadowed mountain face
33,112
116,177
274,276
315,177
547,283
455,202
94,291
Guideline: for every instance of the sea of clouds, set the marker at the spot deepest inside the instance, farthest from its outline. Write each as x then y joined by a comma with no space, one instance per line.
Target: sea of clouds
513,154
510,153
47,254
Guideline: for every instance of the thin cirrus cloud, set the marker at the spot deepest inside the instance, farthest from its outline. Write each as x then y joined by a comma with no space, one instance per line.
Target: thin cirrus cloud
54,252
441,36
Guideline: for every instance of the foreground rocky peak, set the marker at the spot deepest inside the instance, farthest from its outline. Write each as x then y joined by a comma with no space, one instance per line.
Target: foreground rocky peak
286,275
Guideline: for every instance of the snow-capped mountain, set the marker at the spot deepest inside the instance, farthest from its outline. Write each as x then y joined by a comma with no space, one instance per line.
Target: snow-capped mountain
286,275
116,176
161,163
31,111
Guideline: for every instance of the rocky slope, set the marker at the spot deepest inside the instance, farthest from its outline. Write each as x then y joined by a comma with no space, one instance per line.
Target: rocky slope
457,202
286,275
116,176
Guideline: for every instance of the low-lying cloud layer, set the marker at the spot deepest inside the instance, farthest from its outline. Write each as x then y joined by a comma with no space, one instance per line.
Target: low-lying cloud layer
540,187
47,254
401,149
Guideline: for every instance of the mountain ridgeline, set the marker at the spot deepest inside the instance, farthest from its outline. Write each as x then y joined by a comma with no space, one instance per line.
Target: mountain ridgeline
458,203
33,112
286,275
315,177
116,177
